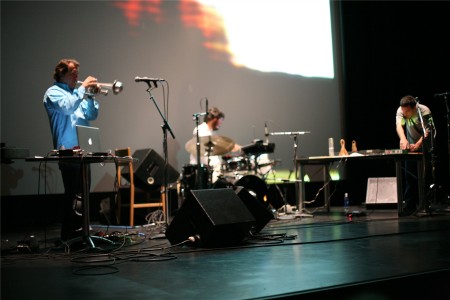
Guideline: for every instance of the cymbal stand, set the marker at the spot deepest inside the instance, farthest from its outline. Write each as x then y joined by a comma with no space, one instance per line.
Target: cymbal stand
209,172
165,127
199,174
295,134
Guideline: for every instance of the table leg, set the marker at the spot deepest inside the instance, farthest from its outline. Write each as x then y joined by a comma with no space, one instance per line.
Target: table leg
421,185
86,237
85,178
399,176
326,191
300,189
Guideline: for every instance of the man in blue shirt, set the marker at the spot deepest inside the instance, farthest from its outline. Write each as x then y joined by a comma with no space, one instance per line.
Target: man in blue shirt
66,107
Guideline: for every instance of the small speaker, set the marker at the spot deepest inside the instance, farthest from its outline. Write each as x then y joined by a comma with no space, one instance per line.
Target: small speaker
149,169
260,212
215,217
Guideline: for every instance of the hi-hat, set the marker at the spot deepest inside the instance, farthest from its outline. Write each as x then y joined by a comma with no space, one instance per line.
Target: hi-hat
213,144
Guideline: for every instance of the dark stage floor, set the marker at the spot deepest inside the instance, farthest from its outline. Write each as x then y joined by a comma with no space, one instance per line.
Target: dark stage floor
375,256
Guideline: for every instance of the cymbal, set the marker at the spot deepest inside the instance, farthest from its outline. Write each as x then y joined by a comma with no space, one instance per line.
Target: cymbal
213,144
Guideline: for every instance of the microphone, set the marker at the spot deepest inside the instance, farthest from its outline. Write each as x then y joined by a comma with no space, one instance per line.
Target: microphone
442,94
206,112
146,79
266,132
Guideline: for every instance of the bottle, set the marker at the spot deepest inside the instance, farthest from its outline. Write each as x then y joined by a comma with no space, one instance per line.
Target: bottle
346,203
330,147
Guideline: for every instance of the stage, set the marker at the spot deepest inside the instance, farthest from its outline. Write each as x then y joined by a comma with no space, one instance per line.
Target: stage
375,255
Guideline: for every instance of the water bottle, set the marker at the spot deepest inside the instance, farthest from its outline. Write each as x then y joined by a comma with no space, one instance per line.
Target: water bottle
346,203
330,147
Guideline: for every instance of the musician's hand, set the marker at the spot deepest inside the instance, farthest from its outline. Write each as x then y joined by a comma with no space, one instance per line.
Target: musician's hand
415,147
404,145
90,81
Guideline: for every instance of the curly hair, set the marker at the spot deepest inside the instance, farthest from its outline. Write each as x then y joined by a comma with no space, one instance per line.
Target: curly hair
213,113
62,68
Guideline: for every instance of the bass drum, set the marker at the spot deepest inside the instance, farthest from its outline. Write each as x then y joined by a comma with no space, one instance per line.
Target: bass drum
256,187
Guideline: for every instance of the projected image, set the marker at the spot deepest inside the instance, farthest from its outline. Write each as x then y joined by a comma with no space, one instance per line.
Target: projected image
292,37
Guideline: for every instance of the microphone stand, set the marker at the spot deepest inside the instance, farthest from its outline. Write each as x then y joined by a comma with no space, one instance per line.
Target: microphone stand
448,138
445,97
426,207
297,180
421,201
448,129
165,128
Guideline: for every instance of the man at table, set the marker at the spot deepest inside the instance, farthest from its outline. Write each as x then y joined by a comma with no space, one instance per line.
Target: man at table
415,129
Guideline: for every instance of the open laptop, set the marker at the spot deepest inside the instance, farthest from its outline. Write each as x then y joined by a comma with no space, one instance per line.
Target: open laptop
89,140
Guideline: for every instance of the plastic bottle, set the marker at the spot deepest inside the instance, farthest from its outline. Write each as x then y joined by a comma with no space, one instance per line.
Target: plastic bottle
330,147
346,203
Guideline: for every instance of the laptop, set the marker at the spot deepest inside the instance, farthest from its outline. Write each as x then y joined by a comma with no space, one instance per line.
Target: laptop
89,140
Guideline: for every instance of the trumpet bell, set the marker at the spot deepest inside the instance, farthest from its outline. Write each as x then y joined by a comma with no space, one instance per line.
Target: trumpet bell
117,87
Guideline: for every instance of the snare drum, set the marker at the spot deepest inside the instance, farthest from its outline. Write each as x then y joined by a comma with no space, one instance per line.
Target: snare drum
237,163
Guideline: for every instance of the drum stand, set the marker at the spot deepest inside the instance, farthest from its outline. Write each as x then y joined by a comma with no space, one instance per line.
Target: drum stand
198,174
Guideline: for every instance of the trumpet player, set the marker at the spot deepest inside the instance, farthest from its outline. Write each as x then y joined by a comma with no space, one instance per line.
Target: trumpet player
66,107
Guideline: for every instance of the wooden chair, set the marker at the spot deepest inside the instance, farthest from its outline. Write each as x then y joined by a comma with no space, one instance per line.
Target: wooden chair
127,187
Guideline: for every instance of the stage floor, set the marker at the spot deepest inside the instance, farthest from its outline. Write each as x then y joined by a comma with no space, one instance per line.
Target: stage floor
376,255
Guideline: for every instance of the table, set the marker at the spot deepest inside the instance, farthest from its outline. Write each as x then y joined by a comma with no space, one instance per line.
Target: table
326,162
84,161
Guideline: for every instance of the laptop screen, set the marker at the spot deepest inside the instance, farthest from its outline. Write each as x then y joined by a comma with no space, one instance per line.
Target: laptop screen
89,139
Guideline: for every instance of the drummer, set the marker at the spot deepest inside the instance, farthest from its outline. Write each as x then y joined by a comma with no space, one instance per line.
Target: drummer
212,122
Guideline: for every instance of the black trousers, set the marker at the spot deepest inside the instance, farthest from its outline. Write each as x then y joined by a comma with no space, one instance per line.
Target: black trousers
411,188
73,188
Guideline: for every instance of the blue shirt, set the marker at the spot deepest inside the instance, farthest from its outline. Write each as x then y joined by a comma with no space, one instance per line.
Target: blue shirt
66,108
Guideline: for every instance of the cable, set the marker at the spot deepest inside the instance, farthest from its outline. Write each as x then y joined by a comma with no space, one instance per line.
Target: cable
326,183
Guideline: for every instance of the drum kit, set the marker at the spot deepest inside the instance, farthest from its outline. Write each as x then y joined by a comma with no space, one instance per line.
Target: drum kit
247,169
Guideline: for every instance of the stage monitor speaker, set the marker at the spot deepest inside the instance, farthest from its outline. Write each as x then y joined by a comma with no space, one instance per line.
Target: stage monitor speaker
381,190
260,212
149,169
211,218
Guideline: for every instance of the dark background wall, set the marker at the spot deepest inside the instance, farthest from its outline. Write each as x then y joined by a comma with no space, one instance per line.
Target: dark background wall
391,49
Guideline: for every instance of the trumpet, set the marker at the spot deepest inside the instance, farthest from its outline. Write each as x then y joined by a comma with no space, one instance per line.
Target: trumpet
103,88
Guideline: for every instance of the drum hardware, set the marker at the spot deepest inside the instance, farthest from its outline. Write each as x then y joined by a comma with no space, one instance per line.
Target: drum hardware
236,163
258,148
